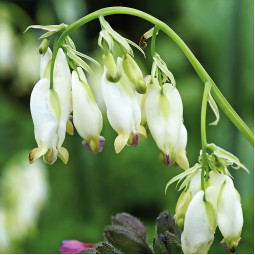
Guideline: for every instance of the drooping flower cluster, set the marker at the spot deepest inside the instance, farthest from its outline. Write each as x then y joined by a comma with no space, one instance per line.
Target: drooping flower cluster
199,211
131,100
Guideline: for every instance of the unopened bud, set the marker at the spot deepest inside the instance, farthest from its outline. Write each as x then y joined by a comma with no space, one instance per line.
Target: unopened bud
44,46
181,208
134,73
113,74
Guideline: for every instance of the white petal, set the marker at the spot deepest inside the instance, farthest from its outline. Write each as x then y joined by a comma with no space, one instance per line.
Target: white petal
195,184
163,123
155,118
62,85
123,111
198,234
229,212
45,64
213,190
87,117
44,119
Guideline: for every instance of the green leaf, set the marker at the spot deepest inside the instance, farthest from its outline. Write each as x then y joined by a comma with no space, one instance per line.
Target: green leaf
215,109
125,240
183,174
107,37
70,42
221,153
79,62
162,66
82,55
45,35
149,33
47,28
117,37
188,179
136,46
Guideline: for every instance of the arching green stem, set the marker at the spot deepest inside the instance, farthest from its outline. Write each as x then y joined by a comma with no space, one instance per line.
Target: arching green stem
219,98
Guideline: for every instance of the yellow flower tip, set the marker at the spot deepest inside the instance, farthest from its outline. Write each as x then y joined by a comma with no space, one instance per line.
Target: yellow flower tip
35,154
182,161
63,155
142,132
69,127
120,142
50,156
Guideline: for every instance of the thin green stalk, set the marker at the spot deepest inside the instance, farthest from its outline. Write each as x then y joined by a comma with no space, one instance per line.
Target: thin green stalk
219,98
203,134
153,41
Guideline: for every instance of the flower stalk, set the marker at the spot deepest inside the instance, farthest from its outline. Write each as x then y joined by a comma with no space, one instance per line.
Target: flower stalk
204,76
203,134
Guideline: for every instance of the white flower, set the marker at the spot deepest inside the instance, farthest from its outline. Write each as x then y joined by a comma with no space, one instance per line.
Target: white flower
164,111
229,214
123,111
45,111
199,226
56,105
87,117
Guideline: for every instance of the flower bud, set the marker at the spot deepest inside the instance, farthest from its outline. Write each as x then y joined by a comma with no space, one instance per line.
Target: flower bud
73,247
112,72
134,73
199,226
229,214
87,117
181,208
44,46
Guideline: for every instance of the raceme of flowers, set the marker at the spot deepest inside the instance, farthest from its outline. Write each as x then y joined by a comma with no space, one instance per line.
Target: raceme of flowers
198,212
132,101
135,104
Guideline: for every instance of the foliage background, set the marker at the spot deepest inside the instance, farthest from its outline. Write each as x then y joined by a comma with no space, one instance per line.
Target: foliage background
86,192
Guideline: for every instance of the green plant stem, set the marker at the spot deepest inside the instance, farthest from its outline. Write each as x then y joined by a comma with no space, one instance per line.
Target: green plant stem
203,134
219,98
153,41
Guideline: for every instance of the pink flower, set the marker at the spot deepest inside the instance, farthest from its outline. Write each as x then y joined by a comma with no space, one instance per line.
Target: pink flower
73,246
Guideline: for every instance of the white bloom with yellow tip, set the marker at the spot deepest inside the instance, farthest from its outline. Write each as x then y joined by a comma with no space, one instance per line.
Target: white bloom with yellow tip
123,112
164,110
87,117
45,111
199,226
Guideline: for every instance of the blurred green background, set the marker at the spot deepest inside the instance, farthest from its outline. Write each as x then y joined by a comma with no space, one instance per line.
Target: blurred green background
85,193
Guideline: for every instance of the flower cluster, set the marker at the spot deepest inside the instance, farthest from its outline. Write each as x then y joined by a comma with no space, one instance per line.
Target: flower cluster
199,211
134,104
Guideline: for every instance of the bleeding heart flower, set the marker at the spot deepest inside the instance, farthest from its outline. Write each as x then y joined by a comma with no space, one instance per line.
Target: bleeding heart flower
87,117
163,108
